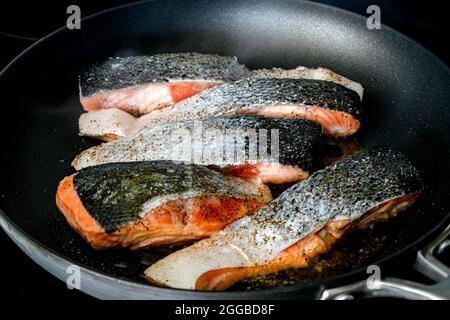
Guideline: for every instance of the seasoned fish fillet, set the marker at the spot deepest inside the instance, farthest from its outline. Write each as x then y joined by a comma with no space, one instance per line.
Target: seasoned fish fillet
143,204
309,73
277,150
141,84
301,223
336,108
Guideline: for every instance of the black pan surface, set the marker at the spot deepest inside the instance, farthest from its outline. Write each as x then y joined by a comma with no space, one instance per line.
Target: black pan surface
407,106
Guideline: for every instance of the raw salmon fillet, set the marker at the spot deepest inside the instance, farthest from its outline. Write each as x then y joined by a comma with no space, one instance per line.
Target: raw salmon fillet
141,84
145,204
335,107
279,150
303,222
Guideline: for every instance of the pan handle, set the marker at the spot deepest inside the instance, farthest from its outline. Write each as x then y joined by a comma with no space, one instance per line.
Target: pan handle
426,263
389,287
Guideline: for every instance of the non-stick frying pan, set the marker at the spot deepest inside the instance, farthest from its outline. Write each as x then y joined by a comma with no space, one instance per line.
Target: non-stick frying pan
407,106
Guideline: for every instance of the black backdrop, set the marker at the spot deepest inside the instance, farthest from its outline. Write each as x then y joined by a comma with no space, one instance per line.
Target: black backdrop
23,21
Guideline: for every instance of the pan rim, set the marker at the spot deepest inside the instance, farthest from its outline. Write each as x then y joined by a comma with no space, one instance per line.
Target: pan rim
5,219
7,225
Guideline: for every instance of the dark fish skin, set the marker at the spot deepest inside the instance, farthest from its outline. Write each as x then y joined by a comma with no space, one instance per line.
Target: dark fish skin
118,73
246,94
299,142
344,191
357,184
114,193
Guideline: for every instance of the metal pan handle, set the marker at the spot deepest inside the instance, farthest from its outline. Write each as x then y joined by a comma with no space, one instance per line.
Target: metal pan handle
425,263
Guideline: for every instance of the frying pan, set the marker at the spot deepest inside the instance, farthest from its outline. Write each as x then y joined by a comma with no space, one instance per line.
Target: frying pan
407,106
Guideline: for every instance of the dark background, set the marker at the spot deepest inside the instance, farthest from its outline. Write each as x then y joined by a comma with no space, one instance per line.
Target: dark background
23,22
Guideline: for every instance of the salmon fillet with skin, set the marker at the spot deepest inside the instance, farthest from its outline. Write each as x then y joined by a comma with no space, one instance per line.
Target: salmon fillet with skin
304,251
319,95
303,222
140,204
279,150
141,84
